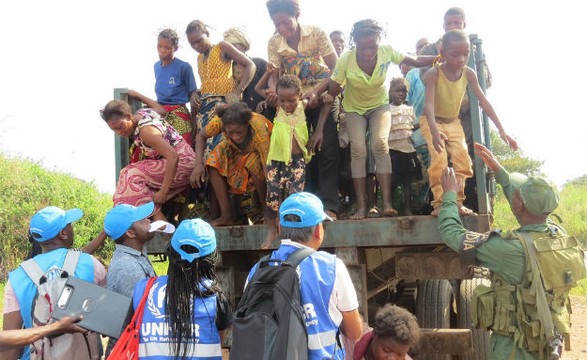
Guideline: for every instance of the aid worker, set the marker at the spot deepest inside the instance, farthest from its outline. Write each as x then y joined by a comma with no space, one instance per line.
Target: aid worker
532,268
328,295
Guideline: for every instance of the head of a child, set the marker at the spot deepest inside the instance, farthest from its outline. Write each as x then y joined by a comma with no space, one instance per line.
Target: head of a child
289,92
235,121
118,117
366,35
395,332
198,36
398,91
421,43
454,19
338,41
167,44
455,48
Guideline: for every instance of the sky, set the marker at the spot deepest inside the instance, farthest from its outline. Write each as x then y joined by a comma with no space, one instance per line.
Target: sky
61,61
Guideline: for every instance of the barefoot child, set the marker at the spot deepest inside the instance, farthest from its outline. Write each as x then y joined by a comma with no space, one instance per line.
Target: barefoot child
404,159
288,155
446,85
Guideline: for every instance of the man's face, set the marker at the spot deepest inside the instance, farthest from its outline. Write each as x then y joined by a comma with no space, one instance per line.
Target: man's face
339,43
141,230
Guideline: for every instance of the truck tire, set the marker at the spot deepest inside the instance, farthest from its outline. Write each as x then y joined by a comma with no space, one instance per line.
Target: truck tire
481,342
433,308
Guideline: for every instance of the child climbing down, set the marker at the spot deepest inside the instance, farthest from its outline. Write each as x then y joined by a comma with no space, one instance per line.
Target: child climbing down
446,84
288,155
404,160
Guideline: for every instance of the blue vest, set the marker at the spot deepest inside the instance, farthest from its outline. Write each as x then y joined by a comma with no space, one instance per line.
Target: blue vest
154,342
317,275
25,290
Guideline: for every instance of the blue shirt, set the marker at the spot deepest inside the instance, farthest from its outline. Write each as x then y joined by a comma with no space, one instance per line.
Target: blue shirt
174,82
416,96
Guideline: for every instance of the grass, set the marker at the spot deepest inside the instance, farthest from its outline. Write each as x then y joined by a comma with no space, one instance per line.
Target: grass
1,303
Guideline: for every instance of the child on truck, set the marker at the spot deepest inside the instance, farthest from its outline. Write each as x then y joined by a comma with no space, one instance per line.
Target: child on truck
288,156
404,159
446,84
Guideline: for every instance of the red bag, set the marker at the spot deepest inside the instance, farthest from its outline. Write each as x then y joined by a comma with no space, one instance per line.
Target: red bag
127,346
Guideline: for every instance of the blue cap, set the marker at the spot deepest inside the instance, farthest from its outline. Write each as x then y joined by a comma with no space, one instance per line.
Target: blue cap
121,217
197,233
305,205
49,221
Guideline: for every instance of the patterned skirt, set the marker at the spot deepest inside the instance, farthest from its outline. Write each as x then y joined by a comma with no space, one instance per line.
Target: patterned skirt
139,181
180,118
207,113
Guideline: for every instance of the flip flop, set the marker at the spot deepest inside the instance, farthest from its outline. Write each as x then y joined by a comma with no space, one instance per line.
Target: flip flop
332,214
374,212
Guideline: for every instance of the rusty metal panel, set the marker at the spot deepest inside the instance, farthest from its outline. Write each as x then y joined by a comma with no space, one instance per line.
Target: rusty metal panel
445,341
382,232
438,265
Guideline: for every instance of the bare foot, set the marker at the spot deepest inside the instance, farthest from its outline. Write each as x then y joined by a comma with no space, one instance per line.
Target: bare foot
222,221
389,212
435,211
359,215
465,211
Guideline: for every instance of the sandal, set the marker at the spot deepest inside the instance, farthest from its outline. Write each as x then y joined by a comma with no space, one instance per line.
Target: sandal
374,212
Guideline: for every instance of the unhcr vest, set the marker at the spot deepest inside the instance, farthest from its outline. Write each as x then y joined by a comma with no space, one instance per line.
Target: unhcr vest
318,272
25,290
155,342
511,310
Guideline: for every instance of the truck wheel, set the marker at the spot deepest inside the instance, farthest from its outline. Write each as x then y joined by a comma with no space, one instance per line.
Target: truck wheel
433,308
480,337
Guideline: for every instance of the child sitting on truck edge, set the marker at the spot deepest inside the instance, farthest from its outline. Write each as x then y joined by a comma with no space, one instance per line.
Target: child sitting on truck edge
446,84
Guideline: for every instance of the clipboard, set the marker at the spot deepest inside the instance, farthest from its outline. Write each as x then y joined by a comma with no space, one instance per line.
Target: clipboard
104,311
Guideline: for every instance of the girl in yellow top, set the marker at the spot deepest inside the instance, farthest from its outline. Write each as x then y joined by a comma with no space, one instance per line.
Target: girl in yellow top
287,158
441,127
215,70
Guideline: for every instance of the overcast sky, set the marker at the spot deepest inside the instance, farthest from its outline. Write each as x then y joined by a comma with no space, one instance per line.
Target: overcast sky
61,61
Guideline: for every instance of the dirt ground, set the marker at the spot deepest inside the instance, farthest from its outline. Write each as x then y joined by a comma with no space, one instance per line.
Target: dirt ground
578,330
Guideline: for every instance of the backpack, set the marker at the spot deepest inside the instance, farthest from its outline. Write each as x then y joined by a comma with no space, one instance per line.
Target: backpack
268,322
49,285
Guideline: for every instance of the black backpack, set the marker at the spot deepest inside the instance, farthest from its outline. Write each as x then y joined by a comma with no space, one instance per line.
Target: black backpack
268,322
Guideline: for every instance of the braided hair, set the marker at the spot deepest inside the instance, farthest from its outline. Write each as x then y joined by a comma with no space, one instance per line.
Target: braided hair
187,281
366,27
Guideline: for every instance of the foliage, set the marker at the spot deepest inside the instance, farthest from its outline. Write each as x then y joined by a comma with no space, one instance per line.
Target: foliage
513,161
26,187
572,212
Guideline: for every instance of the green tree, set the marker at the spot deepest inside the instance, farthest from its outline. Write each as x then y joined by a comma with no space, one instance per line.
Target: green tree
514,161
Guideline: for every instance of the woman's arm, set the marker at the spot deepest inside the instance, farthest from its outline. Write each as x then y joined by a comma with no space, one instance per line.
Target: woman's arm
315,142
229,51
95,244
488,108
419,60
198,176
148,101
153,138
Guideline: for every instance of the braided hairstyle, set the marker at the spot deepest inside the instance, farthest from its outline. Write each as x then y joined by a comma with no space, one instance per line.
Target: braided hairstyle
187,281
115,109
197,25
